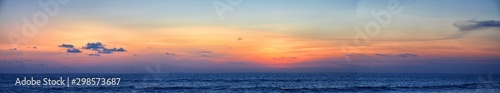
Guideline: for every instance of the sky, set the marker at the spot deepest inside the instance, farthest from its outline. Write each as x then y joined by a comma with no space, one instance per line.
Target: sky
219,36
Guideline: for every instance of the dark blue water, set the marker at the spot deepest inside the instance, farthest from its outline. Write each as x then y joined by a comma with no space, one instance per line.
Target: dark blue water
270,82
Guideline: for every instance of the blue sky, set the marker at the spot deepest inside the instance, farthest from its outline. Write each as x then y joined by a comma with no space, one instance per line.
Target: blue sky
257,36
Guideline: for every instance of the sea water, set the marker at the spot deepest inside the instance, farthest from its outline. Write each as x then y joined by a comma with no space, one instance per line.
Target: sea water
269,82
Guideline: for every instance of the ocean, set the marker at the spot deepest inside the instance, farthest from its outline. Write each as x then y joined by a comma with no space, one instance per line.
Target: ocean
268,82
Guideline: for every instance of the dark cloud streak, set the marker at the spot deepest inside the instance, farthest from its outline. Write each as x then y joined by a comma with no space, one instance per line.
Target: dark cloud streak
66,45
402,55
476,25
468,27
73,50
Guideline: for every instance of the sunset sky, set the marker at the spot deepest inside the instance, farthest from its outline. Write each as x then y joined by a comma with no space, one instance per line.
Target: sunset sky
426,36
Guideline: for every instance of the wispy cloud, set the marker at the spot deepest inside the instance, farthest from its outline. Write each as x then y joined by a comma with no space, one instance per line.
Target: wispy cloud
475,25
356,55
402,55
203,53
67,45
407,55
285,58
94,55
169,53
467,27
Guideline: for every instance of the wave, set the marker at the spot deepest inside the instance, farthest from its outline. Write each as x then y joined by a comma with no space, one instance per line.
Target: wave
143,88
353,88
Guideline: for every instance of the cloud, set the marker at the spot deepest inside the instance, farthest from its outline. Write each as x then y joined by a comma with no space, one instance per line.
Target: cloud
104,51
203,53
97,46
383,55
285,58
94,46
73,50
94,55
66,45
475,25
109,51
407,55
356,55
466,27
14,49
402,55
115,49
169,53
